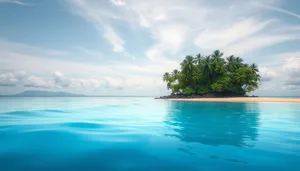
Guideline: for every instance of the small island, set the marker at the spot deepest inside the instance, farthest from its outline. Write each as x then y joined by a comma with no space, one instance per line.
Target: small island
215,78
212,76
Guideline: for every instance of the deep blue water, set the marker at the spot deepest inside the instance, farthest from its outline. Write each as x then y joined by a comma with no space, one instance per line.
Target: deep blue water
142,134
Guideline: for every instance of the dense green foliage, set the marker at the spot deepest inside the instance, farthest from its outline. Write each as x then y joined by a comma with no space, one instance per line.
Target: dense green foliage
213,74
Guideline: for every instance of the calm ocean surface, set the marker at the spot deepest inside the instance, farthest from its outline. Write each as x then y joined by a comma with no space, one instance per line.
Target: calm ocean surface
143,134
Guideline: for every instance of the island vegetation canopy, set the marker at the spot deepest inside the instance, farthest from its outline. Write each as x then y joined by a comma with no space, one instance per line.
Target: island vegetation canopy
213,74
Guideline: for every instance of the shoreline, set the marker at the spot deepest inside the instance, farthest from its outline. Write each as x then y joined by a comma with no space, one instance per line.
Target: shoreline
239,99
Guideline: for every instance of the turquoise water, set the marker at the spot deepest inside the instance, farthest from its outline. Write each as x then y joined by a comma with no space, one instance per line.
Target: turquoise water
60,134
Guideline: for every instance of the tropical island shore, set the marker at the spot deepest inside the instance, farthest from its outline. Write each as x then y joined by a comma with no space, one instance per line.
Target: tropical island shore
240,99
213,75
216,78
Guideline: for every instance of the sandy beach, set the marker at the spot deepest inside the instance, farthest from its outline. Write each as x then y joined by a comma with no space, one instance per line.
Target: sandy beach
243,99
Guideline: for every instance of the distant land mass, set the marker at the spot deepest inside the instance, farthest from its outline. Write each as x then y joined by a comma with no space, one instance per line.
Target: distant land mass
46,94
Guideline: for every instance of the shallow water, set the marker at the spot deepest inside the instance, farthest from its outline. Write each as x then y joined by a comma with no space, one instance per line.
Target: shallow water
93,133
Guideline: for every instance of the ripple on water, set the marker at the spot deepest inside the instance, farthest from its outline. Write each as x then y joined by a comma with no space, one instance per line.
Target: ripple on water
20,113
56,111
86,125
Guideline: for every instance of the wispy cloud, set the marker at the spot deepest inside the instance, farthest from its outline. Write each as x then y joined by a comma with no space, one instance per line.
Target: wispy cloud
233,34
90,11
282,11
141,78
114,39
18,2
173,24
168,30
254,43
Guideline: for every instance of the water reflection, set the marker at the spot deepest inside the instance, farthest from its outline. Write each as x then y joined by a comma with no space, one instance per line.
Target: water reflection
234,124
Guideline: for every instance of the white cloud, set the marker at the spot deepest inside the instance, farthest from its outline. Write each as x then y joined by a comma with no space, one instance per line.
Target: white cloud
254,43
282,11
115,83
176,25
222,37
292,63
284,76
60,80
18,2
86,83
98,16
12,78
37,82
267,74
110,78
114,39
170,40
291,69
118,2
168,28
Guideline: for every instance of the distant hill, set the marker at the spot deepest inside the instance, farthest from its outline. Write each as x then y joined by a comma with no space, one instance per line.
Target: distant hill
46,94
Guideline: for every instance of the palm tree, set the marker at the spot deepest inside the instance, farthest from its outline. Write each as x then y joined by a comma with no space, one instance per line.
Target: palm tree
198,59
217,56
174,75
197,74
231,58
254,68
230,63
166,77
187,67
246,65
207,68
175,72
188,64
220,67
238,62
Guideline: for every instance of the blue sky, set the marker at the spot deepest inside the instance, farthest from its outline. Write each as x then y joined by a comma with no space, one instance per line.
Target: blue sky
122,47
